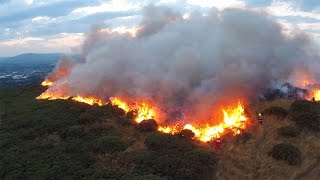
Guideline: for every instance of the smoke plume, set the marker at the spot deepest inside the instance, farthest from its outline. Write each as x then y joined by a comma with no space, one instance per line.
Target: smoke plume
195,63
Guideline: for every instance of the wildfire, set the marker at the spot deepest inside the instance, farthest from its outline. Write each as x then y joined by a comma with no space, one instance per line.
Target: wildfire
233,117
234,120
47,83
88,100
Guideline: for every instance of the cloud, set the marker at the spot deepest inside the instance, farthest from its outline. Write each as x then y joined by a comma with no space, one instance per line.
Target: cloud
4,1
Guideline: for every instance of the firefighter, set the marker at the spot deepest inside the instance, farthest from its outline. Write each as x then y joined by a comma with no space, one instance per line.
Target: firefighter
218,144
260,118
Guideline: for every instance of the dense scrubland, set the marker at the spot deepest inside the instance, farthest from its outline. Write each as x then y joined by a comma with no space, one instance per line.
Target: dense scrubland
63,139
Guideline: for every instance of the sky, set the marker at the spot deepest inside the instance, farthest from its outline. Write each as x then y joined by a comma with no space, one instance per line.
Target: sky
46,26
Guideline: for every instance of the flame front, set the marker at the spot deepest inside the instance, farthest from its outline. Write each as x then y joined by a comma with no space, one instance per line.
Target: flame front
234,120
233,117
88,100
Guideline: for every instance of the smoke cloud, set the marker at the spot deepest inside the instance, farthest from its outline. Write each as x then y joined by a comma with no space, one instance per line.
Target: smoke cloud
195,63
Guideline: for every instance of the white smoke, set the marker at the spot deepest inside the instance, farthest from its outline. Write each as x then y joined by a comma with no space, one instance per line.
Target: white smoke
194,63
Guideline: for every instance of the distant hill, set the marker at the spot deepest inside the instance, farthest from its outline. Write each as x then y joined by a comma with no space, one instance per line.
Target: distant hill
32,58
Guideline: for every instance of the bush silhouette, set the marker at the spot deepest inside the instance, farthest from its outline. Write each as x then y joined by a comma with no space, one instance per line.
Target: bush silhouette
289,131
124,121
186,133
276,111
111,144
149,125
286,152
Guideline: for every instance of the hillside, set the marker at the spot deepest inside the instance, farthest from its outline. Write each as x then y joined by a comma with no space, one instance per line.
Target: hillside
64,139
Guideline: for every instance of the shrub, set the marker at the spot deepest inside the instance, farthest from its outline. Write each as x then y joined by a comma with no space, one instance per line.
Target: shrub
304,106
124,121
111,144
149,125
308,121
276,111
159,141
131,115
286,152
289,131
75,131
177,164
186,133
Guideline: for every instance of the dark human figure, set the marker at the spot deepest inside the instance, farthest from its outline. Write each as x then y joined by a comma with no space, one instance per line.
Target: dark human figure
218,144
313,99
260,119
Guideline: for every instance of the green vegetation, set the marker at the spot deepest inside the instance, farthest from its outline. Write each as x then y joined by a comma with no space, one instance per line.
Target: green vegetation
289,131
111,144
306,115
286,152
275,111
63,139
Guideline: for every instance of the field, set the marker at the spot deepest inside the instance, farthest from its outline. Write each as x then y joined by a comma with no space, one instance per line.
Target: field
42,139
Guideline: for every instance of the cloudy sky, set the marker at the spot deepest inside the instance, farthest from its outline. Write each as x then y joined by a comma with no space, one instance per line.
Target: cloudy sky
43,26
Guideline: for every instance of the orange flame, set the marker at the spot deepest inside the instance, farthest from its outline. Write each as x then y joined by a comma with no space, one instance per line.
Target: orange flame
144,112
316,94
88,100
121,104
234,119
47,82
51,96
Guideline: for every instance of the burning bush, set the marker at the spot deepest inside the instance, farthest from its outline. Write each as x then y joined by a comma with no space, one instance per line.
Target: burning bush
186,133
111,144
149,125
286,152
275,111
289,131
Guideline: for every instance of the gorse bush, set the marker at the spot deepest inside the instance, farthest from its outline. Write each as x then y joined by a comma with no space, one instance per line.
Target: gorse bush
306,115
289,131
175,157
275,111
149,125
286,152
186,133
111,144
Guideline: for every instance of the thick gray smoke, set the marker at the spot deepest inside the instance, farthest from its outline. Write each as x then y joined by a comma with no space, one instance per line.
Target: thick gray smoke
195,63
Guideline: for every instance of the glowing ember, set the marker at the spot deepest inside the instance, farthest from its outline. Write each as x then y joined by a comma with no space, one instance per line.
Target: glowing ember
121,104
46,83
88,100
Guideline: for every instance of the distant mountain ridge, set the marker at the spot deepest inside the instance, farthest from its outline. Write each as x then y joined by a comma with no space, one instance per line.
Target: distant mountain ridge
34,58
